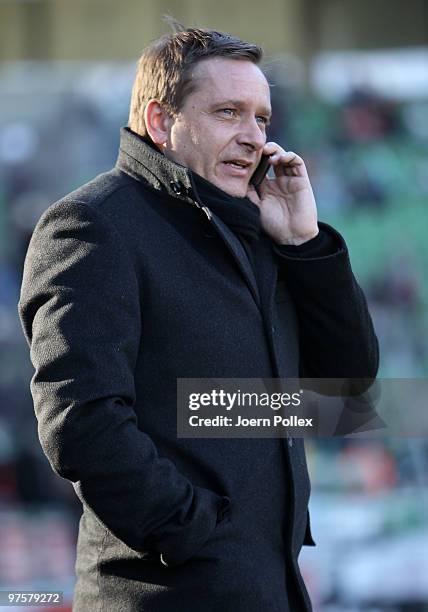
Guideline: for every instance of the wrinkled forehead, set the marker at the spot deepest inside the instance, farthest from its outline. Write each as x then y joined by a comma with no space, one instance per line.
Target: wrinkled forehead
220,78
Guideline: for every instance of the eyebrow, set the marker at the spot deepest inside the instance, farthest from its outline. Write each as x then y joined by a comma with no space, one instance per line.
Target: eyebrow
240,103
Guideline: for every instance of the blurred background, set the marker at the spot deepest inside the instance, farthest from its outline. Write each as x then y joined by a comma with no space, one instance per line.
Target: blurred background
350,94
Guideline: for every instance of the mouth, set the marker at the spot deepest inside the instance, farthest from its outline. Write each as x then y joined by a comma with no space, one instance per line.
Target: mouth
237,167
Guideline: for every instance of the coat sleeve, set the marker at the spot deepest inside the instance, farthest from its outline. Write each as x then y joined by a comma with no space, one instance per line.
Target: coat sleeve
337,338
80,311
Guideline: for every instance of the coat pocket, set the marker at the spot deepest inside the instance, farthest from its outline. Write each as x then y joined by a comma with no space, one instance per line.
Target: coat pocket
182,549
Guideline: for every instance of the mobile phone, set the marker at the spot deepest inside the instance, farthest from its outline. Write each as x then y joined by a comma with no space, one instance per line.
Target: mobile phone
261,171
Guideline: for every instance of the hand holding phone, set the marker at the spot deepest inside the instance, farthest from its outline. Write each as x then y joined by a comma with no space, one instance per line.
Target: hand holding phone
287,205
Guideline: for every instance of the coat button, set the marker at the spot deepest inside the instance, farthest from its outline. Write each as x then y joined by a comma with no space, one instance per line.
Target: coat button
290,442
273,329
176,187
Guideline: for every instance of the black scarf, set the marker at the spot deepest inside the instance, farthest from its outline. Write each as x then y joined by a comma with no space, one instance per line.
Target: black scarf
240,214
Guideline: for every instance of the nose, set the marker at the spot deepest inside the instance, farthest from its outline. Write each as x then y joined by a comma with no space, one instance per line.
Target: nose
251,135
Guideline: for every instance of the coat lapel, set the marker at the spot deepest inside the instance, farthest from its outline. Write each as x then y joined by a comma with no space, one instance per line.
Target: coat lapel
238,252
267,277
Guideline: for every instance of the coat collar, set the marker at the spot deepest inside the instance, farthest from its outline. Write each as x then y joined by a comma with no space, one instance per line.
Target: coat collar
141,161
144,163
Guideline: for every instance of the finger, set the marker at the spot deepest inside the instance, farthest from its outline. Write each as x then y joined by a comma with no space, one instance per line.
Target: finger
290,165
288,158
272,148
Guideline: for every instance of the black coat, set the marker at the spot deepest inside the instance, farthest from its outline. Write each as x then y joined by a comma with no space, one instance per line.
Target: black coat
127,286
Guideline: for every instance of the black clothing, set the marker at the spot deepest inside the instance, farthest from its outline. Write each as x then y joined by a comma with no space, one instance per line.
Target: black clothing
128,285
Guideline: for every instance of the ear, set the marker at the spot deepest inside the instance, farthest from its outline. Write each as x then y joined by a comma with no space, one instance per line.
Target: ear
157,122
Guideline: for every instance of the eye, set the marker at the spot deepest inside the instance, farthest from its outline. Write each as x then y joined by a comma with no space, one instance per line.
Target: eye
263,120
230,112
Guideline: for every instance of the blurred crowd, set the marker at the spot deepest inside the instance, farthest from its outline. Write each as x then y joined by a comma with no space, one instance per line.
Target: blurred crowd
368,161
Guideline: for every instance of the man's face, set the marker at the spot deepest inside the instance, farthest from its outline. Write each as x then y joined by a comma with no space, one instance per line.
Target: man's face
221,129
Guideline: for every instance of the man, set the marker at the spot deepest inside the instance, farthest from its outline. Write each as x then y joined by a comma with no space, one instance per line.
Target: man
172,265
